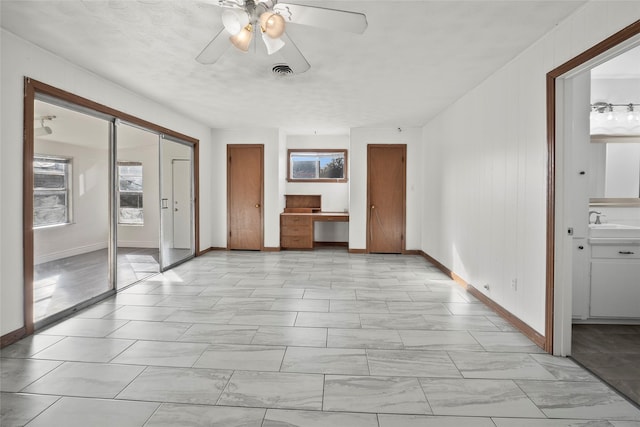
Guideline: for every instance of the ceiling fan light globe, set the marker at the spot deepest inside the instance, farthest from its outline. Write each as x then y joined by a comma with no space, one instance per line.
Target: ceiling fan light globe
242,40
263,20
274,26
273,45
234,20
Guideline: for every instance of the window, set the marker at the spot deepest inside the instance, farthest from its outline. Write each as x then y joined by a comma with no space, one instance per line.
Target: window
317,165
130,191
51,191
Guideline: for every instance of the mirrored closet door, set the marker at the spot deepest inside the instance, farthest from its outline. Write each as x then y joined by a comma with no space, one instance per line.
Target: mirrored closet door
107,202
137,199
177,212
71,155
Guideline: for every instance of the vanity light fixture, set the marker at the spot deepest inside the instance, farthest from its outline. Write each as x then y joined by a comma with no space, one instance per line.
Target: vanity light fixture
615,119
602,107
630,115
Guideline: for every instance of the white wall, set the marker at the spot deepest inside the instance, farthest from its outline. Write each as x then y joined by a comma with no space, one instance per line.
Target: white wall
18,59
335,195
485,160
271,139
89,230
615,91
360,138
148,234
619,215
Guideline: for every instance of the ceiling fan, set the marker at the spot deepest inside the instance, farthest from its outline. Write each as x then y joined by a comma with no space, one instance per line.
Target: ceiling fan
269,18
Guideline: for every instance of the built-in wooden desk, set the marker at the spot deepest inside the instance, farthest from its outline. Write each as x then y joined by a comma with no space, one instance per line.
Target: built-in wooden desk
297,228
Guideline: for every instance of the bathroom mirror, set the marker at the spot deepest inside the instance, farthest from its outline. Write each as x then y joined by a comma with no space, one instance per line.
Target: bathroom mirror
614,162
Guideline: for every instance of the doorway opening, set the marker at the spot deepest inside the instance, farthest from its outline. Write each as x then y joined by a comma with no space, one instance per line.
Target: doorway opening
584,263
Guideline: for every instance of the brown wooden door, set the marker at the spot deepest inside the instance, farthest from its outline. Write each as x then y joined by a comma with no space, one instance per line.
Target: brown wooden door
244,196
386,182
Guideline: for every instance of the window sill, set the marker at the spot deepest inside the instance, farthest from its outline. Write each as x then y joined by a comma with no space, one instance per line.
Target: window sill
326,180
48,227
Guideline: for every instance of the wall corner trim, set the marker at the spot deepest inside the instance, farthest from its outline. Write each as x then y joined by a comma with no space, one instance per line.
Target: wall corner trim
515,321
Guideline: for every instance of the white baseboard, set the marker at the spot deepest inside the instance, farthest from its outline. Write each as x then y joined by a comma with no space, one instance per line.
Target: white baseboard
39,259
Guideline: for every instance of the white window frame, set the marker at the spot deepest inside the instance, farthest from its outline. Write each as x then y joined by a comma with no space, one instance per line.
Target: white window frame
316,156
65,190
121,219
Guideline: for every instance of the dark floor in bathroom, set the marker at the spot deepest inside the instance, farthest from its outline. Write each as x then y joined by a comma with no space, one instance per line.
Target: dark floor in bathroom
612,352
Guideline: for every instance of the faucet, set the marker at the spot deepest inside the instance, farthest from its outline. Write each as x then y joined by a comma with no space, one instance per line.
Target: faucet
597,216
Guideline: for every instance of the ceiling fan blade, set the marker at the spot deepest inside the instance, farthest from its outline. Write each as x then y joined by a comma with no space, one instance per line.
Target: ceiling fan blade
214,50
334,19
292,55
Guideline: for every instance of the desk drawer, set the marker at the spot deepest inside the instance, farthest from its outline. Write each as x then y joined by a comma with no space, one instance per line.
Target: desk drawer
296,242
295,220
295,230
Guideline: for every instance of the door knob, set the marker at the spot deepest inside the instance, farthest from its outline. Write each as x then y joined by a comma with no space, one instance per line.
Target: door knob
373,207
257,205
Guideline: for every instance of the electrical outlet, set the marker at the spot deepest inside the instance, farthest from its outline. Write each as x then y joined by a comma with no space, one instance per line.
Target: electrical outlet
514,284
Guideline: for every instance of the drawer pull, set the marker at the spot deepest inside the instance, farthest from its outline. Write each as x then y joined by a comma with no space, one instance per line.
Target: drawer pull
626,252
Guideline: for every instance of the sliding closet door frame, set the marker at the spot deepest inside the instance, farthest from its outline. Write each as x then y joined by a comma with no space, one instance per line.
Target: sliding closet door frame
33,90
112,220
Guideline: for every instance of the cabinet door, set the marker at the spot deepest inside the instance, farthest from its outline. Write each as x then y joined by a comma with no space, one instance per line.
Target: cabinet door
580,279
615,288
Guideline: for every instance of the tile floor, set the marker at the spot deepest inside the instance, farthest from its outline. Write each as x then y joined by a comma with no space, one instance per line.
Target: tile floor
612,352
66,282
319,338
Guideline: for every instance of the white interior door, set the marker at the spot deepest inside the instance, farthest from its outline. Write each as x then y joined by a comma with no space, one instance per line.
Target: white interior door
177,223
181,197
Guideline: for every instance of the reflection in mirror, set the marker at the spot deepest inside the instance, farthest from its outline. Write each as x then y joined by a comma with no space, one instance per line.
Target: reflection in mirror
176,202
70,209
138,188
615,169
614,122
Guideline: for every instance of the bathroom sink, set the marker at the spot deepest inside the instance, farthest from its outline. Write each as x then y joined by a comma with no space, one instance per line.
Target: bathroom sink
613,230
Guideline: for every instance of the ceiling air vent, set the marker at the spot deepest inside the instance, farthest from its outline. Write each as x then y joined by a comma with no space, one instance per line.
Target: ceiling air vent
281,70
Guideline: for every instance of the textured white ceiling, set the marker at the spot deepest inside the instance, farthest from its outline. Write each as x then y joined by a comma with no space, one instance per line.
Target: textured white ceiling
414,59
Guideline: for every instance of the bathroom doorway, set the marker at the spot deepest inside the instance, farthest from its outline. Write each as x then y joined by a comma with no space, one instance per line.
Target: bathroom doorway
586,323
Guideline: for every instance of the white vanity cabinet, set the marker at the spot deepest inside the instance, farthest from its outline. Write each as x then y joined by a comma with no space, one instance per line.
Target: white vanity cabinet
615,278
